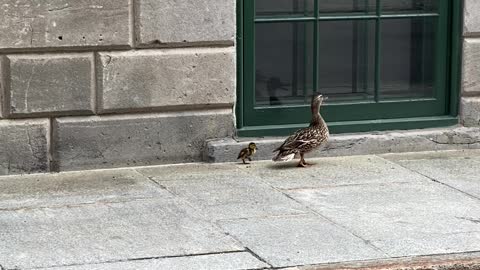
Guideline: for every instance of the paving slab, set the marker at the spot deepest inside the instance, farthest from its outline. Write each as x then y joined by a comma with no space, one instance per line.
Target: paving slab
461,173
73,188
234,197
299,240
223,261
351,170
106,232
401,219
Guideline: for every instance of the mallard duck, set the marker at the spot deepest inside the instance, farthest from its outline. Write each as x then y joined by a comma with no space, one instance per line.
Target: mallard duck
306,139
247,152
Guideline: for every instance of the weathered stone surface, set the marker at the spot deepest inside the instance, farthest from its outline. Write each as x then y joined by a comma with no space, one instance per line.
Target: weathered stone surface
179,77
460,173
129,140
226,150
171,21
106,232
300,240
224,261
470,111
76,188
63,23
471,66
51,84
222,196
23,146
472,17
401,219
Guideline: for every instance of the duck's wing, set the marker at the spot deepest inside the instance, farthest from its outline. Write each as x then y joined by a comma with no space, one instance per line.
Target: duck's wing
243,153
295,141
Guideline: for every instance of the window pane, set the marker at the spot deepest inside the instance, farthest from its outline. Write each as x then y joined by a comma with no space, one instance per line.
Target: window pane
284,7
415,6
347,59
408,57
342,6
283,62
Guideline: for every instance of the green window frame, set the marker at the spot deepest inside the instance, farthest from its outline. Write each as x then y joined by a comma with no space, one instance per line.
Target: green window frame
408,113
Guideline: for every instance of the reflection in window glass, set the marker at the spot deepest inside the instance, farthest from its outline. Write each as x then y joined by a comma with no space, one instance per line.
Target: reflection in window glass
283,62
408,57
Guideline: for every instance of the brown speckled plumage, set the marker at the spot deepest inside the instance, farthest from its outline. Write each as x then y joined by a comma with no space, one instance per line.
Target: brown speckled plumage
306,139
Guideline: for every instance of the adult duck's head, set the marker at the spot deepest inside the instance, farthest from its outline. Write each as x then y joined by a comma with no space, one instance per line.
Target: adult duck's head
317,100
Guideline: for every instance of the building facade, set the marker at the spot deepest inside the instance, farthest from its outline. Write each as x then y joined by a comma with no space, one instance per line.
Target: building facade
99,84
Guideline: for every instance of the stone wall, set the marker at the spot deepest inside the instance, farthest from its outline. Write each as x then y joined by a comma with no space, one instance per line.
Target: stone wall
470,96
108,83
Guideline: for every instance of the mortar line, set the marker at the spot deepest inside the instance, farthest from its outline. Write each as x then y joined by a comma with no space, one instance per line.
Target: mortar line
437,181
118,48
313,211
145,259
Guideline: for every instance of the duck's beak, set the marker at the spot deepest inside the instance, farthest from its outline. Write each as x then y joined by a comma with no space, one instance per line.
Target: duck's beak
325,98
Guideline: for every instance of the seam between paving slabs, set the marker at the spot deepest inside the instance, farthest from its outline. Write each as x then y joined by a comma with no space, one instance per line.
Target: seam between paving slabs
432,179
141,259
313,211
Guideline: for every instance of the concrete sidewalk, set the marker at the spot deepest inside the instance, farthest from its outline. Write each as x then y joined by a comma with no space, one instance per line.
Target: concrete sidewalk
391,211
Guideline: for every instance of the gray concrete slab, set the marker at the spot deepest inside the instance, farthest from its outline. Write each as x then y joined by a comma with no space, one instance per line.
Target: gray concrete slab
225,261
401,219
350,170
300,240
234,197
223,191
461,173
106,232
74,188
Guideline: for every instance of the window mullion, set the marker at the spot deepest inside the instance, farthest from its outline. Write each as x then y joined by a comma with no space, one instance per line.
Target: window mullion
377,50
315,51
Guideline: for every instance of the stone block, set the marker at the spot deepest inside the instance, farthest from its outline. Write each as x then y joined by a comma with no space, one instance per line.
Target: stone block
471,67
173,21
51,84
179,77
23,146
63,23
472,17
470,111
130,140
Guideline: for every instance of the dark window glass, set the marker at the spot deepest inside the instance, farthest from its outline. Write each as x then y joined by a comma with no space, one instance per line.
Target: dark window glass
347,59
409,6
343,6
408,57
284,7
283,62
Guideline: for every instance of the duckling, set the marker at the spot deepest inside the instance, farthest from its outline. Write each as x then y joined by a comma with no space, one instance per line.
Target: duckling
247,152
306,139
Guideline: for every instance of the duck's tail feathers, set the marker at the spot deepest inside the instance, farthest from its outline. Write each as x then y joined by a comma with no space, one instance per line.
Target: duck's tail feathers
280,157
